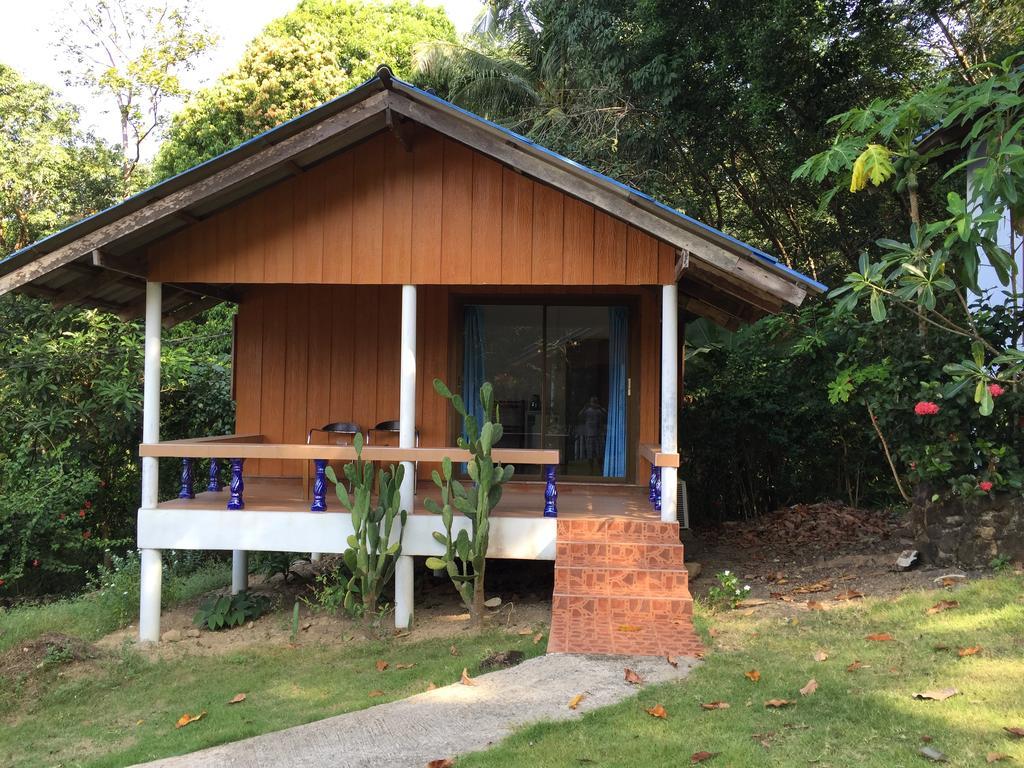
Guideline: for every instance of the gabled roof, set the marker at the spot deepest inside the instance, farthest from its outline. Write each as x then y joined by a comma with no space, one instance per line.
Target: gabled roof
97,261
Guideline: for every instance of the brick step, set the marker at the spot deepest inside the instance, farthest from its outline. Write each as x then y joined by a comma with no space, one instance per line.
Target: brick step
654,557
618,530
622,609
615,580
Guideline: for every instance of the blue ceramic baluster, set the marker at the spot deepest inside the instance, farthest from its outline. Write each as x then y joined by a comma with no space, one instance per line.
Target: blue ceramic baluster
237,485
657,492
551,494
319,486
188,490
215,485
652,485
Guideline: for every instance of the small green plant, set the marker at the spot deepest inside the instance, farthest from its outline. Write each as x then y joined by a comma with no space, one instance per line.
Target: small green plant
270,564
465,553
56,655
329,593
228,611
728,593
376,542
295,622
1000,564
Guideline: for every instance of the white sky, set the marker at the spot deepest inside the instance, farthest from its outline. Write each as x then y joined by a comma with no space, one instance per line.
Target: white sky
27,37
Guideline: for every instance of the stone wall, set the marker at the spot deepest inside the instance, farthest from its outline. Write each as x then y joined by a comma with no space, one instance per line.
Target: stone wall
968,532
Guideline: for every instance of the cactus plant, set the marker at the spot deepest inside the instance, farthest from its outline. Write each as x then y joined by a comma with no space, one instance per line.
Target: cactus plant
376,542
465,552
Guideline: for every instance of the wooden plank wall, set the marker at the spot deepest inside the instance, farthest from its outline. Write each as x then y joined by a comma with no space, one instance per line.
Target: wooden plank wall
442,214
302,360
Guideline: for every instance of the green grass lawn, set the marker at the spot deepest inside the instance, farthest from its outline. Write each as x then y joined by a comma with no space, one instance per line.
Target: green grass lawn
865,717
122,710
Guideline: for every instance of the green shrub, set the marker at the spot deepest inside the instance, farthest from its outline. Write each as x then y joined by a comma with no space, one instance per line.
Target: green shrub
228,611
728,593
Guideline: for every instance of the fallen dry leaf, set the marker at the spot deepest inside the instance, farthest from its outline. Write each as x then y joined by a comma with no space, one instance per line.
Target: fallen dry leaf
657,711
821,656
995,757
632,677
575,701
382,665
933,754
629,628
943,605
237,698
713,631
700,757
431,686
850,594
751,602
970,651
671,660
880,637
187,718
814,605
753,675
538,637
444,762
466,679
778,703
927,739
818,586
307,625
404,666
1015,731
811,687
525,631
715,705
854,666
453,651
940,694
375,693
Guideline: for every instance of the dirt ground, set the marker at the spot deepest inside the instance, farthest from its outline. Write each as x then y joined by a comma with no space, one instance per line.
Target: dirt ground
806,557
814,557
526,608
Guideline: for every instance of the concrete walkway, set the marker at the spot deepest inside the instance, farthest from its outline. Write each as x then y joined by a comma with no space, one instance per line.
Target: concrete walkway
444,722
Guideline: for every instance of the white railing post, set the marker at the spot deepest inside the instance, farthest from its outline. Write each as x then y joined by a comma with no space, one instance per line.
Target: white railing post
239,571
151,575
406,439
669,396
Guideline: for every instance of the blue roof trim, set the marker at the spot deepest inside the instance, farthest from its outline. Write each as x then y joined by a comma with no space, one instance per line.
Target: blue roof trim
771,260
148,192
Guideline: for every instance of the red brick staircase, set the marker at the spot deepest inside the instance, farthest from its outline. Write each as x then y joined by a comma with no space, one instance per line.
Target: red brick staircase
621,588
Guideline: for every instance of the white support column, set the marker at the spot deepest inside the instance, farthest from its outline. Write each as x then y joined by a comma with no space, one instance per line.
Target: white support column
406,439
239,571
151,575
669,396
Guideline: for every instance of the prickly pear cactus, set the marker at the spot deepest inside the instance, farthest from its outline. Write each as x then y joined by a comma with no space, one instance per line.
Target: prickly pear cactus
465,550
376,541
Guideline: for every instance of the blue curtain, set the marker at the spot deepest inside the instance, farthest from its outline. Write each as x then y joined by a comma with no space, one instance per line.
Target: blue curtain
472,360
615,437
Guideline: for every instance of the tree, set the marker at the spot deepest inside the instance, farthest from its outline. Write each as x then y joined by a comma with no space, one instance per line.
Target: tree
301,60
51,172
958,347
134,56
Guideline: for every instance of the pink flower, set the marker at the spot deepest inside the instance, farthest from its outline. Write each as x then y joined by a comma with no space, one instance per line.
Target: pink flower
995,390
87,535
81,513
88,505
985,485
926,408
35,563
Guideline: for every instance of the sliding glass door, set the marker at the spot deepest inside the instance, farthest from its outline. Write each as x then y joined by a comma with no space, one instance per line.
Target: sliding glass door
560,375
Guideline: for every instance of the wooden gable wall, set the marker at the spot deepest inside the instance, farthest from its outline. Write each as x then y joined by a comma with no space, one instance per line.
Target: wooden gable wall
441,214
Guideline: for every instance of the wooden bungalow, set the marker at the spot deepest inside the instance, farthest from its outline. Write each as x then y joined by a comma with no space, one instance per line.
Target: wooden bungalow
384,239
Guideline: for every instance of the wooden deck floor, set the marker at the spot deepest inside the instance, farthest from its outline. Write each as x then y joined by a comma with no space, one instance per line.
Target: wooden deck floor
524,499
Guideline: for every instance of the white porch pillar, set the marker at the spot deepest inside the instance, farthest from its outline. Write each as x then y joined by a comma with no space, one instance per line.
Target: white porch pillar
151,569
406,439
669,396
239,571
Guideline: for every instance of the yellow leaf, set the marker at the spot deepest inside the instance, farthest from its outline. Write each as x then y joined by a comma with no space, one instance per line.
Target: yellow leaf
657,711
374,694
874,164
382,665
187,718
237,698
971,651
575,701
753,675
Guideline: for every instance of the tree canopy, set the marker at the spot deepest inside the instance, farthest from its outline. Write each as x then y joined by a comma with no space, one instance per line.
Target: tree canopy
299,61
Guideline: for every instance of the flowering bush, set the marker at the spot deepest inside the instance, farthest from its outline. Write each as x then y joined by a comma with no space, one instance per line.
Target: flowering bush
728,593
